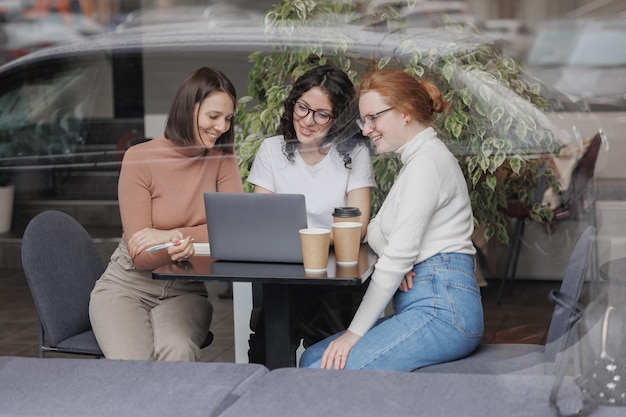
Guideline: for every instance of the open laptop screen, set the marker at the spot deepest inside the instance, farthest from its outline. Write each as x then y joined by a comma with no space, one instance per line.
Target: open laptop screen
255,227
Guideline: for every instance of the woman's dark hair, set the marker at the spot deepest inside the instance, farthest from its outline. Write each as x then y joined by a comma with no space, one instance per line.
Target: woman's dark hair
343,132
198,85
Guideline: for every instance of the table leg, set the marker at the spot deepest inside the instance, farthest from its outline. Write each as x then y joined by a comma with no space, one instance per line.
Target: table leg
242,306
277,311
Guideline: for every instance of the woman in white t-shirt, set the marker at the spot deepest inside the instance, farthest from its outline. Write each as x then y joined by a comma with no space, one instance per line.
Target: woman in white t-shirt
321,154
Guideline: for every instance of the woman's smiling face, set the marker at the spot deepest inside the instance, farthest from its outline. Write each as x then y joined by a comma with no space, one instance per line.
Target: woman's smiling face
387,134
213,117
307,130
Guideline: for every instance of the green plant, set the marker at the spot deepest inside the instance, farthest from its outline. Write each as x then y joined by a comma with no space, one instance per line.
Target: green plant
496,126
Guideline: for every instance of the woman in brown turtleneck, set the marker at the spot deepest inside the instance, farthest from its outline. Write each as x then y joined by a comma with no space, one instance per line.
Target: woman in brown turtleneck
161,189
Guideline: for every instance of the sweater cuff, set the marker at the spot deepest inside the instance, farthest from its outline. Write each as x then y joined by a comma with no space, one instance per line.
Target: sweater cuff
382,287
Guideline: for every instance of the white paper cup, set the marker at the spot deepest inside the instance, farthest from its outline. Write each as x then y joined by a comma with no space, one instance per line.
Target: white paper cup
315,246
347,237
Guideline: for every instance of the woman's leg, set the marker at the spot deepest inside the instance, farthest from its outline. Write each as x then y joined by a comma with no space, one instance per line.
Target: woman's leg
438,320
312,356
121,323
131,320
180,325
119,309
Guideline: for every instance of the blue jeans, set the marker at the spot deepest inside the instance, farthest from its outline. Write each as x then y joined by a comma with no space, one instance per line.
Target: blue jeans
440,319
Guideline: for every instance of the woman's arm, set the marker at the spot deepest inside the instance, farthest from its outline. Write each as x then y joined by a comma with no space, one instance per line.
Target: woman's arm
262,171
138,183
404,219
361,198
261,190
135,200
360,185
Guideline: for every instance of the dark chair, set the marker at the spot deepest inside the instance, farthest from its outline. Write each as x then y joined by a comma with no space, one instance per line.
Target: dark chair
529,358
578,203
62,265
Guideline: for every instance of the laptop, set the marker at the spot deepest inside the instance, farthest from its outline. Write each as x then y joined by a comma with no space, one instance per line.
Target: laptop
255,227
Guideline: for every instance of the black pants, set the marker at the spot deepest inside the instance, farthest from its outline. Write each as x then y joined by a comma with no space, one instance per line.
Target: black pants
317,312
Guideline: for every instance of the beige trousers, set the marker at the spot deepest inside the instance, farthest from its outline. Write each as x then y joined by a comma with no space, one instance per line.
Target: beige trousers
136,317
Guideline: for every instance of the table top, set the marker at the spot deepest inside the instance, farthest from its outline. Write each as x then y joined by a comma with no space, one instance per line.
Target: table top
205,268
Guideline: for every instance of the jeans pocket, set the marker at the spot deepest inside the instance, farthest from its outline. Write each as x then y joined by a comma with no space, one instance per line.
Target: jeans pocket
466,307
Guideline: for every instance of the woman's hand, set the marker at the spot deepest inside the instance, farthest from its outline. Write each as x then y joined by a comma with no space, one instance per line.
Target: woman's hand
407,281
182,250
147,237
336,354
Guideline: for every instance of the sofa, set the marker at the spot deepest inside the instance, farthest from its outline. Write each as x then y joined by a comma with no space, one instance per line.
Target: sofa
98,387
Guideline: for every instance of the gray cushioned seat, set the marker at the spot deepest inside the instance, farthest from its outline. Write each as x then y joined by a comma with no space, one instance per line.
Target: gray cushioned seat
316,392
99,387
502,358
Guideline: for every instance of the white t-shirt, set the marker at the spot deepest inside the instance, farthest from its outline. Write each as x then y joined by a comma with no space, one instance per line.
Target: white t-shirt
325,185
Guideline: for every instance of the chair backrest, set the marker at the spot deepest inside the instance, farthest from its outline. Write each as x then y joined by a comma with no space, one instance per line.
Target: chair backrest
571,287
61,264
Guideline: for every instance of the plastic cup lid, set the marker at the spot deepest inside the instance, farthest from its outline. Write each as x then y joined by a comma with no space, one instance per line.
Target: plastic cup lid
346,212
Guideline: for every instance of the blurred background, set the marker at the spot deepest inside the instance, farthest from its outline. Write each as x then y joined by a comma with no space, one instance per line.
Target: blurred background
51,108
26,25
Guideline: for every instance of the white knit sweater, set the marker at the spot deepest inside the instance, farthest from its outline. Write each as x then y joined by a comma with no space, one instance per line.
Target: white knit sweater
426,212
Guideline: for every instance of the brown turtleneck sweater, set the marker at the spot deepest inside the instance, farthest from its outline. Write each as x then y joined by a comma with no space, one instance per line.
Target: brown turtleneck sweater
161,186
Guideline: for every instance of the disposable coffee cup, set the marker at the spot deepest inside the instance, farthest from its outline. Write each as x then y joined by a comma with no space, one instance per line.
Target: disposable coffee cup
346,214
315,246
347,237
347,271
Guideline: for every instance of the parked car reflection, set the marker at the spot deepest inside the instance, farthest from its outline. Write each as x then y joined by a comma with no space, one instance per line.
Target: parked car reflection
416,14
221,14
70,112
583,59
516,36
20,36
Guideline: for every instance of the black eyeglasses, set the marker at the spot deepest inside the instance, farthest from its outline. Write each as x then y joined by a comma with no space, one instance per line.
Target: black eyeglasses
320,117
370,119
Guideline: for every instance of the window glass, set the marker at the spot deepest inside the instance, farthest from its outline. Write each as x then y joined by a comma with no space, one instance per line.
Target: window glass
600,48
47,107
552,47
70,117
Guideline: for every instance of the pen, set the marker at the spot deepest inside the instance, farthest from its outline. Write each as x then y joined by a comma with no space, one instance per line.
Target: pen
162,246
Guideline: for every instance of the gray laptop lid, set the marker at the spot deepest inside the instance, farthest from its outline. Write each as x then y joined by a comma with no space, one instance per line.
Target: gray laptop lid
255,227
